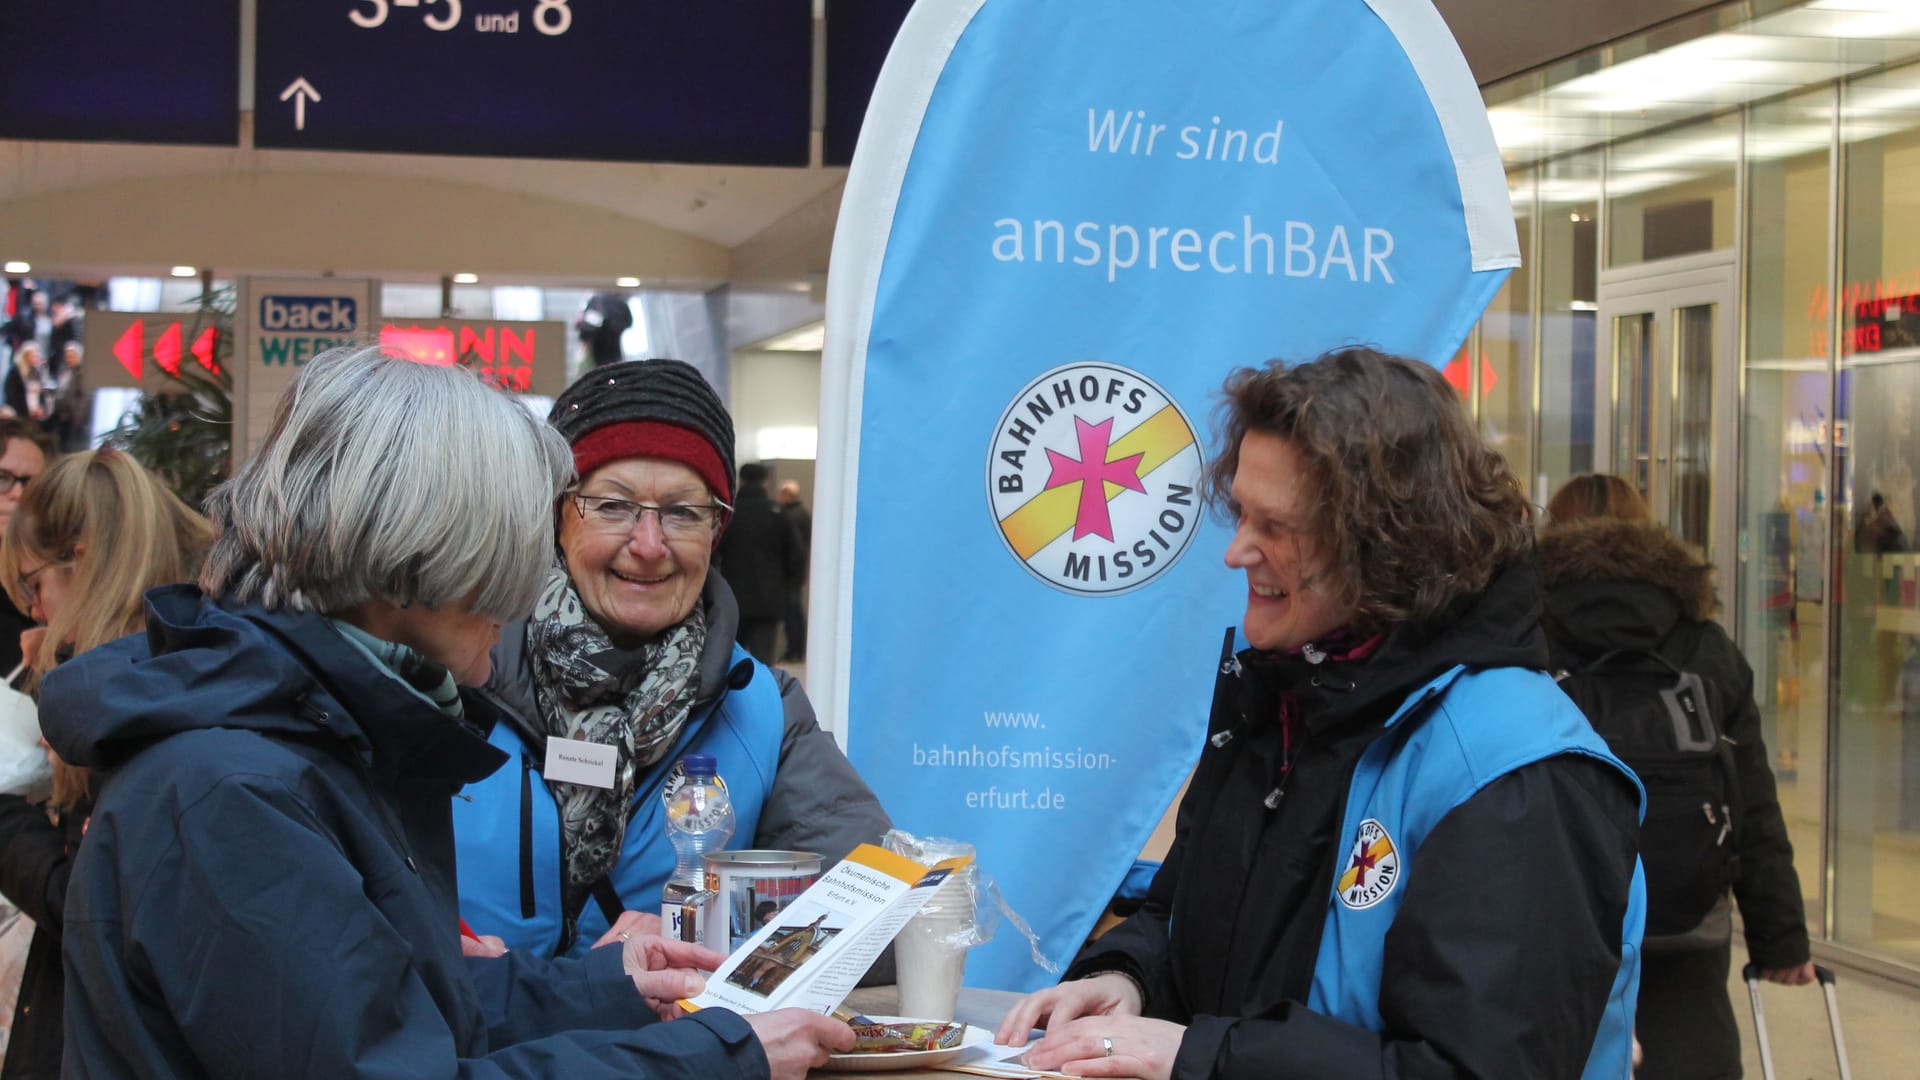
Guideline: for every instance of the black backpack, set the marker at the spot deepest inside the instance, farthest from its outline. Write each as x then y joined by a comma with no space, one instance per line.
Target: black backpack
1667,725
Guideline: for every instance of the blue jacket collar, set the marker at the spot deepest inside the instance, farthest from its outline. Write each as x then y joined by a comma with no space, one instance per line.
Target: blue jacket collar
203,664
1434,688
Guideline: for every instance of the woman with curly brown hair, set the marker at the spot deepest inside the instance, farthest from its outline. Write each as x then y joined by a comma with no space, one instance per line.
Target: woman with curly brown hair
1404,852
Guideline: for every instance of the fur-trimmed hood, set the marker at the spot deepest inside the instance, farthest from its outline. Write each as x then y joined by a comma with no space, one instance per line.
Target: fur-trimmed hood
1608,549
1621,584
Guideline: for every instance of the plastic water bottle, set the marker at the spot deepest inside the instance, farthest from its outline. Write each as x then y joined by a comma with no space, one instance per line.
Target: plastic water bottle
699,821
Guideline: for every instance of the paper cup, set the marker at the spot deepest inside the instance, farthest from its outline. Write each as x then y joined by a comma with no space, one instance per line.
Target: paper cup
928,965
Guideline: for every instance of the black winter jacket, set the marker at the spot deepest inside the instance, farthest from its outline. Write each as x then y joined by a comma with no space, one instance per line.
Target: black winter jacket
760,554
36,858
1615,584
1475,982
267,884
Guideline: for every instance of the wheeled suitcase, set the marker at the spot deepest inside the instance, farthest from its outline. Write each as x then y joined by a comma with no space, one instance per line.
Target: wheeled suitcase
1751,973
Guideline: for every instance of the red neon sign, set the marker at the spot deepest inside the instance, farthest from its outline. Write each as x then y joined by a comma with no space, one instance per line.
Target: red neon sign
423,344
167,350
130,348
202,350
1459,373
502,355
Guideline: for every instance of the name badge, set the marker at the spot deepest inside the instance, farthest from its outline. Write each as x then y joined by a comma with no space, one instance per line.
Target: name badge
572,761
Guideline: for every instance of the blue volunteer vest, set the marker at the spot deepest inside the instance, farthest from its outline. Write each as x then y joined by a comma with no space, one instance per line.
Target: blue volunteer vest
1484,724
507,827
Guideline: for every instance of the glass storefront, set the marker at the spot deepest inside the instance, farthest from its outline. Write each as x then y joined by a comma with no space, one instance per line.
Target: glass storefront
1569,213
1672,193
1726,310
1505,370
1783,588
1876,768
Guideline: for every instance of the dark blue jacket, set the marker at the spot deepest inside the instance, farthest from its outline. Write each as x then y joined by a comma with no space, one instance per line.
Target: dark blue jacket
267,885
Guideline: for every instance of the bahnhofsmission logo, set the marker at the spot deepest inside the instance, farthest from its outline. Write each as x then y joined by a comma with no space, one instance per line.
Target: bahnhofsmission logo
1094,479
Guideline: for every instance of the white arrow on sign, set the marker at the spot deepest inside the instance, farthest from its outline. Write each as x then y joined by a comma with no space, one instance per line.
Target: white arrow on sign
301,91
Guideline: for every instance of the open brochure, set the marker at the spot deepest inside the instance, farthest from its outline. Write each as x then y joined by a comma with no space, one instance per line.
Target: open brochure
995,1060
815,950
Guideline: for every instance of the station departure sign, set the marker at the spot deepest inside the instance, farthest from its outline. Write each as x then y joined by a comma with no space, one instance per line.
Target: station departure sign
726,82
121,71
859,33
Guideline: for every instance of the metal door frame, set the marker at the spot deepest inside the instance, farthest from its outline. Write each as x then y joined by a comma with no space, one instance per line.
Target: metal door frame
1657,288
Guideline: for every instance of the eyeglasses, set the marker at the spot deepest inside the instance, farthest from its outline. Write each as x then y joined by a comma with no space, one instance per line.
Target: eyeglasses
29,581
9,481
679,520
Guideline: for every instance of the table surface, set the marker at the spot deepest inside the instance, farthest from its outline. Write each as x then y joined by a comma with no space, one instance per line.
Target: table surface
981,1008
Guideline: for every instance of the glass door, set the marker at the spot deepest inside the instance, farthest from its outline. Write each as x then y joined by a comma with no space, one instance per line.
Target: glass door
1668,390
1635,423
1696,362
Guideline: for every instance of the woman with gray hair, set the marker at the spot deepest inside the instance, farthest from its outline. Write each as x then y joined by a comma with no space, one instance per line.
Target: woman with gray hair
267,883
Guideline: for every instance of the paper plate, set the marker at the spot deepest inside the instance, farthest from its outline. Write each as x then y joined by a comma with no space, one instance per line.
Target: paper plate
894,1060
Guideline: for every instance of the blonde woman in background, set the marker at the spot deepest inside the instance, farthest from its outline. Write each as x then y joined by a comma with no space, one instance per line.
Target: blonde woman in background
87,539
26,383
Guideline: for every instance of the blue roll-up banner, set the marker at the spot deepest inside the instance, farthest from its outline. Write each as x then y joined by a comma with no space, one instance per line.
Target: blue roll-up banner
1064,225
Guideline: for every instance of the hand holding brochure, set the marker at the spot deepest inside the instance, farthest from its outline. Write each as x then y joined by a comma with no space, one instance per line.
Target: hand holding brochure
814,952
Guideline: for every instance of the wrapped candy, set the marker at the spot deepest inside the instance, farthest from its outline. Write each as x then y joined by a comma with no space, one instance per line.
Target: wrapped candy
878,1038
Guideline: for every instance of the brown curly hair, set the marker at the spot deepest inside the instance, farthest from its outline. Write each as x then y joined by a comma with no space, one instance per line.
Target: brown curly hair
1416,511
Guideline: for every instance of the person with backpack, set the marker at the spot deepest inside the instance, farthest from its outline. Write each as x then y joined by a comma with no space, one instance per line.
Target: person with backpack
1631,632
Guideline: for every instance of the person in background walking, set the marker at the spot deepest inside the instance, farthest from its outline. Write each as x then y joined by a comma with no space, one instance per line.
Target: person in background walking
28,386
72,422
1616,580
760,555
796,512
24,450
600,324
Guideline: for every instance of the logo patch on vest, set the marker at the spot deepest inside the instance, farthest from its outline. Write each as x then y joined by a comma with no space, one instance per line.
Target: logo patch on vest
1373,867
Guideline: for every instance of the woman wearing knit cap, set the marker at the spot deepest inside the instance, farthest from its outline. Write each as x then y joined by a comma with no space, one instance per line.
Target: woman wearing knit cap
632,646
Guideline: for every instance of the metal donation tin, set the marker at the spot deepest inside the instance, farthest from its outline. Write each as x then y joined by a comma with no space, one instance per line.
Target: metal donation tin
747,888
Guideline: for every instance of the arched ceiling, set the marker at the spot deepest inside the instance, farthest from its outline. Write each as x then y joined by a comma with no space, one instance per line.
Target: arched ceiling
406,215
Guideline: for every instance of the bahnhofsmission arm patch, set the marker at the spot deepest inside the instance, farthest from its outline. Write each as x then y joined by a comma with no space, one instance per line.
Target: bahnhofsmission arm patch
1372,868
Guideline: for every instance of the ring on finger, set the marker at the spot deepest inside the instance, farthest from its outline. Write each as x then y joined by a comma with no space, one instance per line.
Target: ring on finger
625,934
1106,1046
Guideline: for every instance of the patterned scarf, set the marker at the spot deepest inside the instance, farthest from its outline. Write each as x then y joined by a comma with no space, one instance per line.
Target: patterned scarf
635,700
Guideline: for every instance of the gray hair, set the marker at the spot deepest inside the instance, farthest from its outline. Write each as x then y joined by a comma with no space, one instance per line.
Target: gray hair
386,479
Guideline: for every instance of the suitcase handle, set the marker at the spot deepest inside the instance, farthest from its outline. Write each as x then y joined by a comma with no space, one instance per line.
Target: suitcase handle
1751,973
